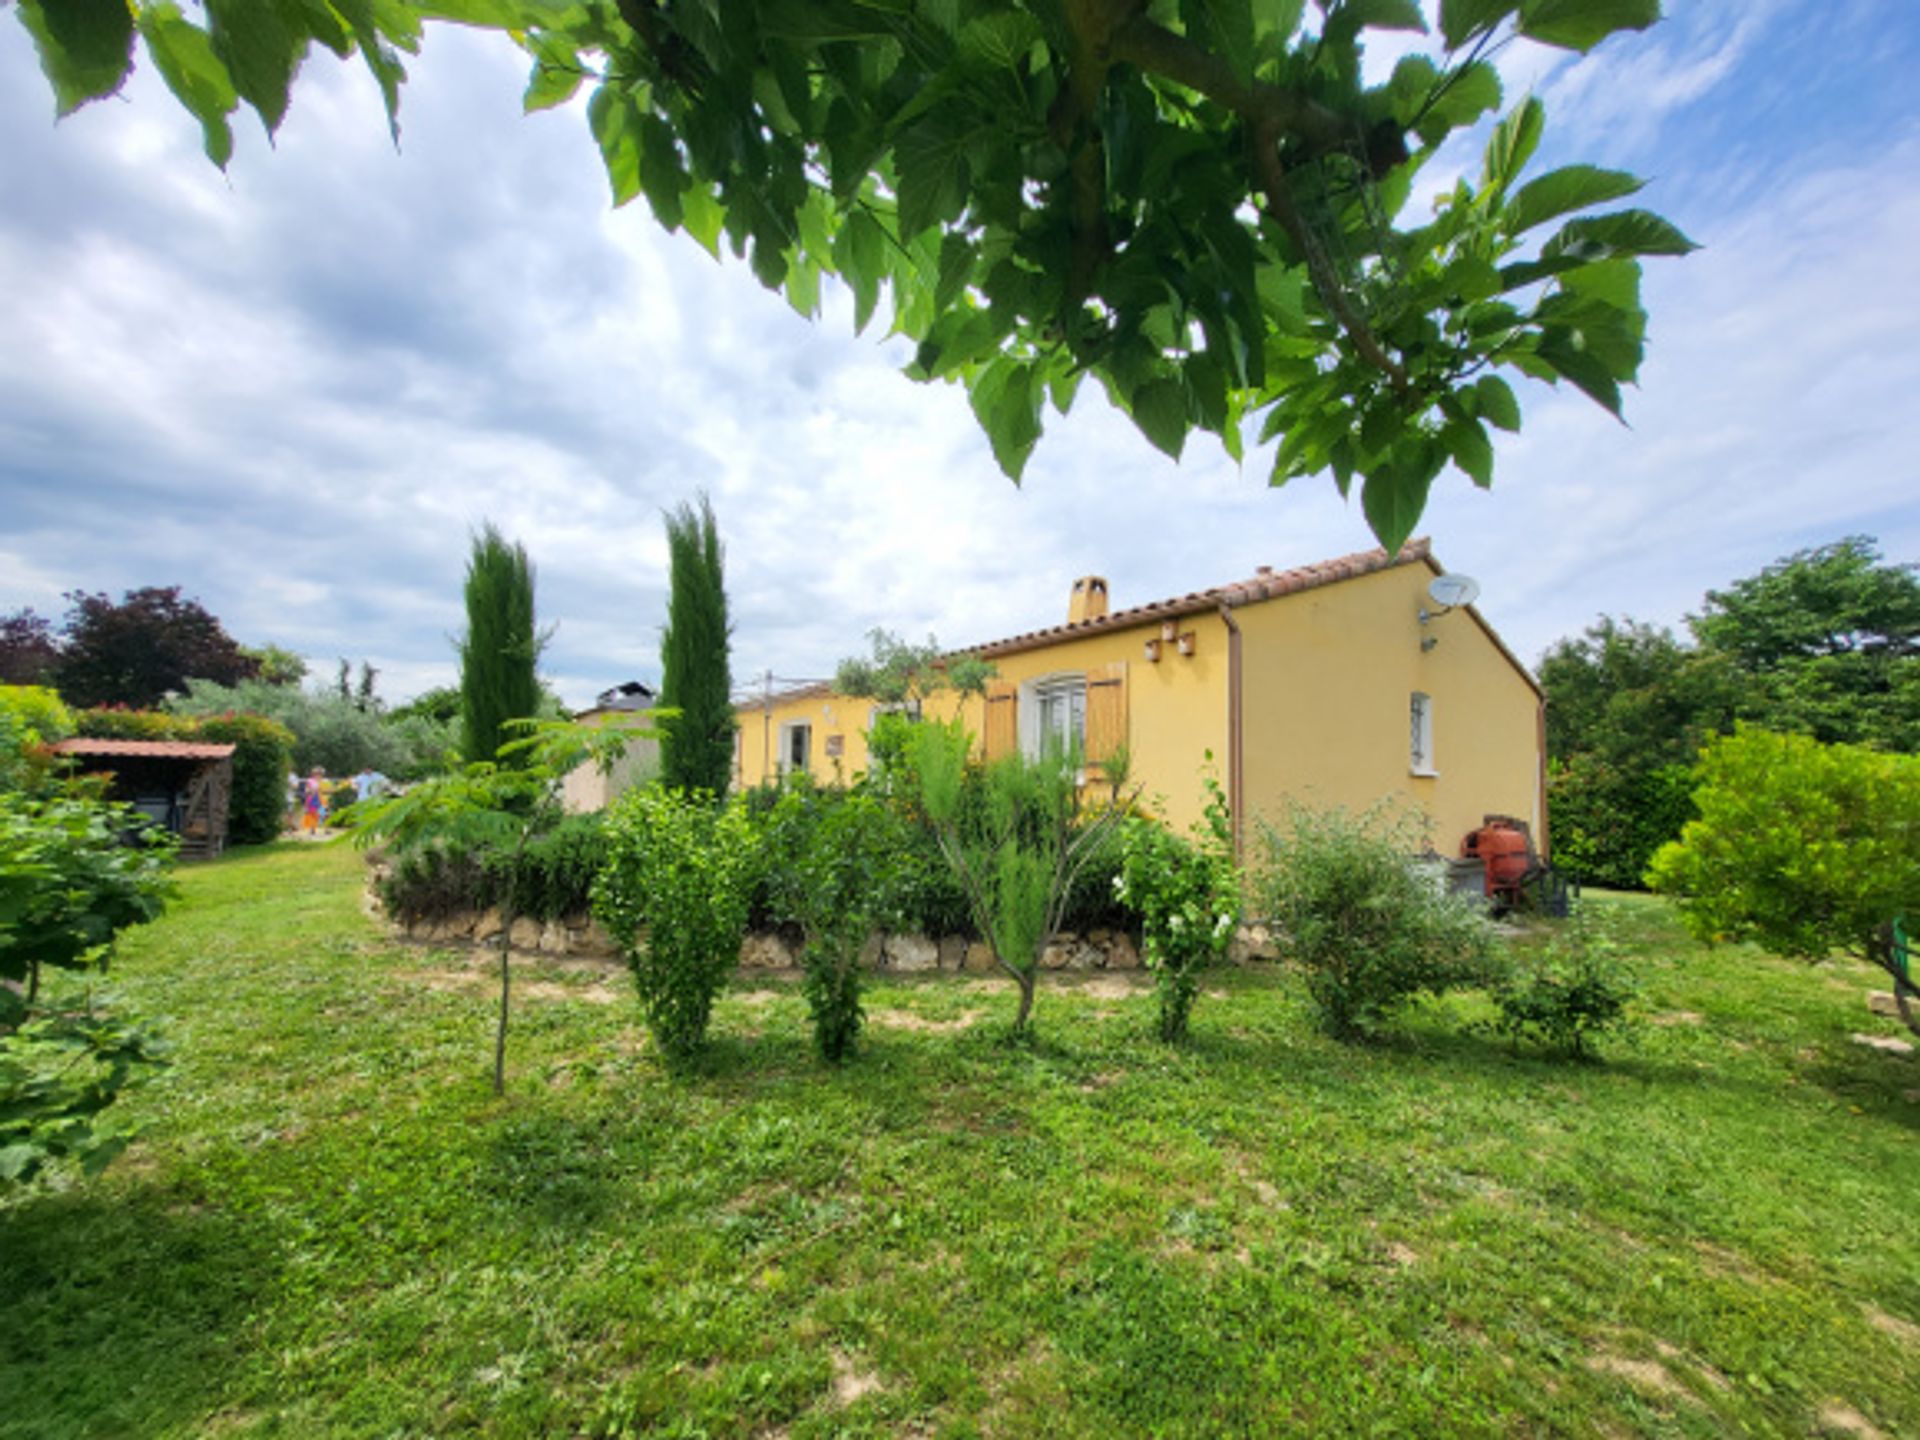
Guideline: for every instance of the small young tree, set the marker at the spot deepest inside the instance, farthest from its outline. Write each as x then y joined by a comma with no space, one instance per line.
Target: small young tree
674,895
837,872
500,805
1803,849
696,748
1187,895
1017,833
501,647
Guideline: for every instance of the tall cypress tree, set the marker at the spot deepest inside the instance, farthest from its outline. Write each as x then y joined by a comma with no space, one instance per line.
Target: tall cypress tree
497,681
696,747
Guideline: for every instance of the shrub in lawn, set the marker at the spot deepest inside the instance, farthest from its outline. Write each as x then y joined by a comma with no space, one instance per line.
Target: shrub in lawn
1369,930
1568,994
1802,848
1018,833
673,893
843,881
70,881
1186,893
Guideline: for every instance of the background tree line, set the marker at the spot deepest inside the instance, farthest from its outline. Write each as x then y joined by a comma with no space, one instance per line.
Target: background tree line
1824,642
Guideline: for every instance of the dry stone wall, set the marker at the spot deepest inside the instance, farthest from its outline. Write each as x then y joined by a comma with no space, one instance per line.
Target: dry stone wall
583,937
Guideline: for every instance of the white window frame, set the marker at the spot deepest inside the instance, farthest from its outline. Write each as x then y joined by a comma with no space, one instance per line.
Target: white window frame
1037,696
1420,735
788,729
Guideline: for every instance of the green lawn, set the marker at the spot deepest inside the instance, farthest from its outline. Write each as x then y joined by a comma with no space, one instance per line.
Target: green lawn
334,1228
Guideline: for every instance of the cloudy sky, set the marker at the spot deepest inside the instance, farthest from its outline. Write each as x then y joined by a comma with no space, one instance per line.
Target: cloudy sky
295,388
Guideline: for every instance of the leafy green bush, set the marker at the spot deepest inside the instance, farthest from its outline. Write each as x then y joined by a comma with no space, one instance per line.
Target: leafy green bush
1368,929
73,874
1801,848
551,880
60,1072
1187,894
843,880
32,719
262,756
673,893
70,881
1569,993
1608,821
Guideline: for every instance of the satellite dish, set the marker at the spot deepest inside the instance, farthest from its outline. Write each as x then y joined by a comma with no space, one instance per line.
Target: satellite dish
1451,590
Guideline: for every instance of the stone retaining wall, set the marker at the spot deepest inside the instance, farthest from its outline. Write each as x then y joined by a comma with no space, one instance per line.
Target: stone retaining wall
583,937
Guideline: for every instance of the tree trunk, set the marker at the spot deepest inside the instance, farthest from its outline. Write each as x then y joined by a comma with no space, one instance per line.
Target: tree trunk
1903,997
500,1036
1026,1002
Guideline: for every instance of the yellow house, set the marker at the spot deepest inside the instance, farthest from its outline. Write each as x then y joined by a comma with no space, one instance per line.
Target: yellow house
1336,684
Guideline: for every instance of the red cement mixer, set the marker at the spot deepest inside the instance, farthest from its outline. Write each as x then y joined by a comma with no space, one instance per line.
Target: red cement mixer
1503,844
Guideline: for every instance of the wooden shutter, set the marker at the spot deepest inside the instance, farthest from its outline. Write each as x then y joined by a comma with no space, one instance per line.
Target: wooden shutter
1106,711
1001,731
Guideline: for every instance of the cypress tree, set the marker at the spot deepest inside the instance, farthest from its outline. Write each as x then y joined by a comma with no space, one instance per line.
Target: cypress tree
696,747
497,681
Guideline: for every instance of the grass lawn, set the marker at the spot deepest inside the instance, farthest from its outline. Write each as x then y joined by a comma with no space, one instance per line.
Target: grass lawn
334,1228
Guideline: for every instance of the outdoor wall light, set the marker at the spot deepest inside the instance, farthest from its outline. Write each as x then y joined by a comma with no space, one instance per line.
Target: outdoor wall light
1187,642
1153,652
1168,630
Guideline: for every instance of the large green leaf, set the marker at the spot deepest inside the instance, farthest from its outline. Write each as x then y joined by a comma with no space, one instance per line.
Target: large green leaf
1393,499
610,114
1160,410
1461,20
1467,443
1006,401
1497,405
1572,187
184,56
1583,24
262,45
85,46
1513,142
1463,98
1623,233
930,159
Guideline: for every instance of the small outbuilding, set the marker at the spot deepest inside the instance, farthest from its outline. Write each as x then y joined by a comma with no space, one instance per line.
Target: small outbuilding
630,705
183,786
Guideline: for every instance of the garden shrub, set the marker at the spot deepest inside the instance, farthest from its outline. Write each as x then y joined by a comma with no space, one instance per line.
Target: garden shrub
673,894
1187,895
1369,930
552,880
1569,993
1017,832
843,883
1801,848
74,872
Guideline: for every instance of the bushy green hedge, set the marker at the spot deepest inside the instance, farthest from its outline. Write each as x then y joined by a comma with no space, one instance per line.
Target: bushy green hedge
262,759
553,880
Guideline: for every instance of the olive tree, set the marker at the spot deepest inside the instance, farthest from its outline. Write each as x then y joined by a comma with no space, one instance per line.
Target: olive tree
1201,204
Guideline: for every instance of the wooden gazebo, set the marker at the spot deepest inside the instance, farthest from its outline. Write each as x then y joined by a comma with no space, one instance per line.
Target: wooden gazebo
179,784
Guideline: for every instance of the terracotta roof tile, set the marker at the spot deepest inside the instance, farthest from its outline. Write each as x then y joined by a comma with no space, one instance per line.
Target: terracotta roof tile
1265,585
151,749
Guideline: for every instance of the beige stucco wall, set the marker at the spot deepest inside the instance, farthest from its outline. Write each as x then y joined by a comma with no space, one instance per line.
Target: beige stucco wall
587,789
1328,682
